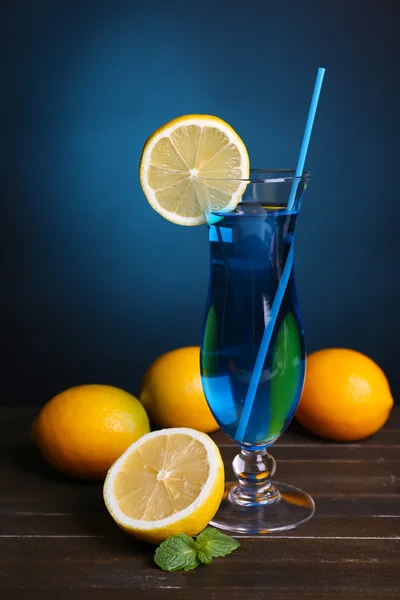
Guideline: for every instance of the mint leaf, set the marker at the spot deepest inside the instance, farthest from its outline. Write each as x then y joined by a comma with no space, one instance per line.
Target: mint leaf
182,552
211,543
176,553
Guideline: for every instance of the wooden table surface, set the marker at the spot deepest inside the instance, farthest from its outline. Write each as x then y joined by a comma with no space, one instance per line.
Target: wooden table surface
57,540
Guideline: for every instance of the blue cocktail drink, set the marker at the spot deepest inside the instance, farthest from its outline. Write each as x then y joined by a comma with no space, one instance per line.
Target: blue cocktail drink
248,254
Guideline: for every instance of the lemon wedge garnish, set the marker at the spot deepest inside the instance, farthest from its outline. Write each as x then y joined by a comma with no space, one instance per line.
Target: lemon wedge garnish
190,167
169,481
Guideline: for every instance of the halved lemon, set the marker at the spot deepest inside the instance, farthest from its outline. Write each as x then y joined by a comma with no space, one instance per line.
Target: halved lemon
184,165
169,481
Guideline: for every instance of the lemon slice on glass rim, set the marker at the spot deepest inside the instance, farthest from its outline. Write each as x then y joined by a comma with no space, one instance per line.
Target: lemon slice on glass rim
169,481
193,166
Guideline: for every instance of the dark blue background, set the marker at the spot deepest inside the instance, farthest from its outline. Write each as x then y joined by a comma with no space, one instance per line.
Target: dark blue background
94,284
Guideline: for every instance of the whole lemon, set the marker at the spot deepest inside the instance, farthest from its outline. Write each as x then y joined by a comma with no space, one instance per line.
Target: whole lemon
83,430
172,392
346,396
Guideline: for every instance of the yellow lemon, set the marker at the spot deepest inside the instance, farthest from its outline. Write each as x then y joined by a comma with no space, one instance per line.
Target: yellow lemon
172,393
83,430
346,396
170,481
191,166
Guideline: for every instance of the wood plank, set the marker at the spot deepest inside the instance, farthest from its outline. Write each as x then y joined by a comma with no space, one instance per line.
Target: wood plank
365,457
318,482
298,436
101,524
25,475
170,592
83,501
265,564
23,464
24,451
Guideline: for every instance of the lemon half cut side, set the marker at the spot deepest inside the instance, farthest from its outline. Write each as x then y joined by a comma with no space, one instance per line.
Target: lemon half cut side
169,481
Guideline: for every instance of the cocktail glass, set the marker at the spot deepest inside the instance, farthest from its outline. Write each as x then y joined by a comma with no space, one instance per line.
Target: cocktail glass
252,305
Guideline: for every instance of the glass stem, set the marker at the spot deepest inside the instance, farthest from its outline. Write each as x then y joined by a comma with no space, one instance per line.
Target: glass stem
254,470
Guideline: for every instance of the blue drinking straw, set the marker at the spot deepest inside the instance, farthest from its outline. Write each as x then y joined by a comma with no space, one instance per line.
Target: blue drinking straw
306,135
262,352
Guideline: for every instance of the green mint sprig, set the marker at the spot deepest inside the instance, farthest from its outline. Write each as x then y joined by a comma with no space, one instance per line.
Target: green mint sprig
183,552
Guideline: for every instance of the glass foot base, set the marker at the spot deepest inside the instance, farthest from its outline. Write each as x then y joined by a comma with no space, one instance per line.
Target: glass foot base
289,508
